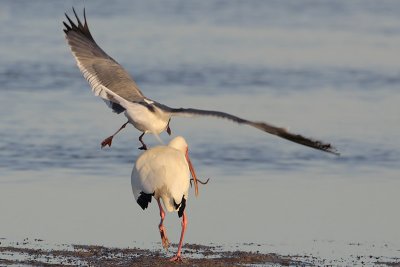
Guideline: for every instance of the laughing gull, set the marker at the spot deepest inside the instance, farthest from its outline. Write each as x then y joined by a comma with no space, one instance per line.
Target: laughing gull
110,81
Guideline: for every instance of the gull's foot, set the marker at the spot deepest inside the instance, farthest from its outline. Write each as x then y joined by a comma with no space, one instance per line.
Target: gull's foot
169,129
107,141
177,258
164,238
144,147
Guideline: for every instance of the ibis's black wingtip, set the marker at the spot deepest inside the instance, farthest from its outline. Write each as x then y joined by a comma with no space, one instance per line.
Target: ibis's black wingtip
144,200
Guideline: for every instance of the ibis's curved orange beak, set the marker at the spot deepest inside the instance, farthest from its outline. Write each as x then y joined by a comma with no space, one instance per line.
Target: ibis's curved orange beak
196,187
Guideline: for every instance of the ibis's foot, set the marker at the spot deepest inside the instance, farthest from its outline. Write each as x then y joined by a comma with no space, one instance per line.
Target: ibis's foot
143,147
107,141
164,238
177,258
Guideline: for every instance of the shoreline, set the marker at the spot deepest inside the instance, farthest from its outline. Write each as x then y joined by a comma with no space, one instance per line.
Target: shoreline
38,253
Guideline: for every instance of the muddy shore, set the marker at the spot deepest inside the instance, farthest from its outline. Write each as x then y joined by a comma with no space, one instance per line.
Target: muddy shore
24,254
194,255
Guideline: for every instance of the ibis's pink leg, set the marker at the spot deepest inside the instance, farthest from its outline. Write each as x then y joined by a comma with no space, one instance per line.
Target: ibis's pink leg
109,139
164,238
178,254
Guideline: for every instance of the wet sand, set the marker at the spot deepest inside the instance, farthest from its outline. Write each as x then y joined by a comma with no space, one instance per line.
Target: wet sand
193,255
24,254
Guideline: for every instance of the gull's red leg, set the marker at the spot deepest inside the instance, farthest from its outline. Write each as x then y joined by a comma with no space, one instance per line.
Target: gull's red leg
184,224
109,139
164,238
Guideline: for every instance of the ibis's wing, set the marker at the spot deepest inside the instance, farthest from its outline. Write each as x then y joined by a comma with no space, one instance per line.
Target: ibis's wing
281,132
99,69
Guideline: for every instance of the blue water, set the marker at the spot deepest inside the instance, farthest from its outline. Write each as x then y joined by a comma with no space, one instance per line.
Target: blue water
325,69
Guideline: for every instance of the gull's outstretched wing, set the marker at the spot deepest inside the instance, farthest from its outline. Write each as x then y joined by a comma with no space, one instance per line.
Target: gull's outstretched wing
101,71
281,132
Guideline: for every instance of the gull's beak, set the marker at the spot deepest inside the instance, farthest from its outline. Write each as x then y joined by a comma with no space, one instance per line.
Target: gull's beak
196,187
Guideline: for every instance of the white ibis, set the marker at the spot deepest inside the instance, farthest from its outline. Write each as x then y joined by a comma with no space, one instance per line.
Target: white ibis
110,81
163,172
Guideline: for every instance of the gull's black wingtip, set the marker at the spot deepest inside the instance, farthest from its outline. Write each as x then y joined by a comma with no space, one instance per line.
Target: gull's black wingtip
334,151
331,150
67,27
326,147
318,145
81,28
77,18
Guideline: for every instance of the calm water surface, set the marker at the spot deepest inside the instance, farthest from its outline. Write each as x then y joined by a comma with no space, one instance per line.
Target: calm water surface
329,70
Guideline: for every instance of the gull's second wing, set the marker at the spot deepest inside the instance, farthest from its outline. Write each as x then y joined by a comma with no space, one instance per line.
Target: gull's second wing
281,132
99,69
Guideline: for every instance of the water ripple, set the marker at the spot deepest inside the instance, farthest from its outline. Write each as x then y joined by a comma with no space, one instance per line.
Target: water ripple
46,75
231,157
38,76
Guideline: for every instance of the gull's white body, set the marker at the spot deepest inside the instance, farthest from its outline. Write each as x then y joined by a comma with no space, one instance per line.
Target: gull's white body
138,115
145,121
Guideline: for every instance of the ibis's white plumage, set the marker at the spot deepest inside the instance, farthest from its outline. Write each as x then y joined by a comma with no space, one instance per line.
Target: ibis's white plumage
164,171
